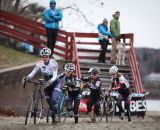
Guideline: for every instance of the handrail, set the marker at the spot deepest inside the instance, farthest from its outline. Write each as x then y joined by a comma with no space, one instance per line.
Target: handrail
75,56
135,69
24,29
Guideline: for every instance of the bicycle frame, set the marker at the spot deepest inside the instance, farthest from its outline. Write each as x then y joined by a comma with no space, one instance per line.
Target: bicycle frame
35,102
62,108
109,105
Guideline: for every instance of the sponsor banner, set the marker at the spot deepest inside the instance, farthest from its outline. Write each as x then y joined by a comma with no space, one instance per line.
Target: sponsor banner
137,105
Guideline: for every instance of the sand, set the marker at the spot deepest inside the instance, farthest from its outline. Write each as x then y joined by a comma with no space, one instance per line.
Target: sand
150,122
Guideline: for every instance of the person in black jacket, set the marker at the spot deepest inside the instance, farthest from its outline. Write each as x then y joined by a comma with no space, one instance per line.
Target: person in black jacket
73,86
94,83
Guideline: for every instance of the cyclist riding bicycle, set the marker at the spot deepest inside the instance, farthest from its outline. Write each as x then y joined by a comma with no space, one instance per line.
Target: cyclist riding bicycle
52,90
73,86
94,83
120,84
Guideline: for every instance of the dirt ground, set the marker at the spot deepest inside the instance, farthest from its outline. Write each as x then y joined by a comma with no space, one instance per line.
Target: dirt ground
151,122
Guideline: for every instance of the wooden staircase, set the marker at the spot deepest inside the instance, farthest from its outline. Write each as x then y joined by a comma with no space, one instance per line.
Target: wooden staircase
104,74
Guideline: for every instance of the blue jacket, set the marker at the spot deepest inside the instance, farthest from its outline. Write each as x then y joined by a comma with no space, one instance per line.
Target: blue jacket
52,18
103,30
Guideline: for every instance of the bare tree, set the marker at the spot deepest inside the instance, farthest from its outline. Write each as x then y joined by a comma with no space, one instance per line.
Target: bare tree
20,7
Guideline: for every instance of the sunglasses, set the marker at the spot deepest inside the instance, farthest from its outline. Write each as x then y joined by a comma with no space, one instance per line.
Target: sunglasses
113,74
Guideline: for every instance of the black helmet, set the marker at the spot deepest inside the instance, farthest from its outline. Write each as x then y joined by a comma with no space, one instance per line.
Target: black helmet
94,70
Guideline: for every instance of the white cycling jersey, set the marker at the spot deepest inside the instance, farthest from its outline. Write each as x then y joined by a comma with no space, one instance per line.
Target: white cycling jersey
50,69
120,80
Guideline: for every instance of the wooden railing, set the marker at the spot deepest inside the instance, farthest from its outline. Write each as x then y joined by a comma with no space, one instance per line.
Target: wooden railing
23,29
135,68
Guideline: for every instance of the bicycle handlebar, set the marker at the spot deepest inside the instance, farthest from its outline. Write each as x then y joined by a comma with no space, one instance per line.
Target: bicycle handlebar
39,81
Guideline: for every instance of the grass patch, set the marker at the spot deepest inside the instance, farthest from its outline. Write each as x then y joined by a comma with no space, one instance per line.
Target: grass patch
10,57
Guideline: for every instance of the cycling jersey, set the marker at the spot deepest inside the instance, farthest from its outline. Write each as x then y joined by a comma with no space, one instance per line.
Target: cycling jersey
49,70
74,93
71,82
94,97
94,85
121,85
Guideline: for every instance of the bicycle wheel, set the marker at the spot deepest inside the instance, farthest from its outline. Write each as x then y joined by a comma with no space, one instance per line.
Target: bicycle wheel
99,116
110,109
48,116
38,108
63,112
29,110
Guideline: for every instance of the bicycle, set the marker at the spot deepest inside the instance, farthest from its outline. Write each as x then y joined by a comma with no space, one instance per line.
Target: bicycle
35,102
107,106
98,115
63,113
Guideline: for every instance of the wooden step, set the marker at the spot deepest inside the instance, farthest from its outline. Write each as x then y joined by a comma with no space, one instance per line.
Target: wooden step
102,65
105,72
109,77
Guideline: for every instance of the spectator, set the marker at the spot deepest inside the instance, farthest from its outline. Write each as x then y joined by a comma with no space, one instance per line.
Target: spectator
115,31
120,84
103,38
73,87
52,17
94,83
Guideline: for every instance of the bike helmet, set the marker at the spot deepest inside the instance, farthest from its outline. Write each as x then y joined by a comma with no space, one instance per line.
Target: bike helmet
94,70
113,70
45,52
70,67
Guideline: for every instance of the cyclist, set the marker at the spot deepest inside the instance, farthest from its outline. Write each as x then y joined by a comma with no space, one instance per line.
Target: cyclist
94,83
120,84
73,86
52,90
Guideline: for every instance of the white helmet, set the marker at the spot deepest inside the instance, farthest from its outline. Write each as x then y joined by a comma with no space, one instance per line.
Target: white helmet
70,67
113,69
45,52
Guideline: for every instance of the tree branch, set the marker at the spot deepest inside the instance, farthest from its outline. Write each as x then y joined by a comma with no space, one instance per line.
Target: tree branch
82,14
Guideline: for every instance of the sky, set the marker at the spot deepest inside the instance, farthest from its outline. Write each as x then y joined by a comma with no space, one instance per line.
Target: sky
140,17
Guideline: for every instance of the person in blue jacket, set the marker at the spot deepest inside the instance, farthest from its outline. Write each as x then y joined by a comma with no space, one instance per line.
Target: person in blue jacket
52,16
103,38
